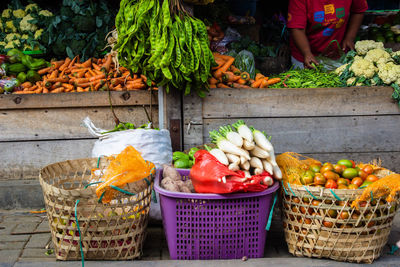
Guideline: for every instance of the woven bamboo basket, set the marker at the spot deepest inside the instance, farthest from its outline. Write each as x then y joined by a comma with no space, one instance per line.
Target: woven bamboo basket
320,222
113,231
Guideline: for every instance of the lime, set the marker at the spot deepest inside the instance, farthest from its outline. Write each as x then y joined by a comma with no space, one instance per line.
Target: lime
345,162
350,173
182,164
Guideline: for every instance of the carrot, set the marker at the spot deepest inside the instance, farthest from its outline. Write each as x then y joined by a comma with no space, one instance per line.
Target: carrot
87,75
68,86
96,67
107,63
81,80
229,77
241,81
53,74
83,84
219,62
135,86
26,84
58,90
57,64
39,90
68,90
218,73
54,86
45,70
238,85
224,57
45,90
235,70
97,72
32,88
86,64
65,64
73,61
116,81
79,89
59,79
92,73
97,77
257,83
259,76
80,74
264,83
273,81
23,92
221,85
97,86
245,76
212,80
118,88
213,86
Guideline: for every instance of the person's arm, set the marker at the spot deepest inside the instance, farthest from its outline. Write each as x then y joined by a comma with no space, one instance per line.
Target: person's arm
352,29
301,41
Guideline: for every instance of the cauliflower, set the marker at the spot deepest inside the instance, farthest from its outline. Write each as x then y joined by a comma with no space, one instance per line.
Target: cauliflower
350,81
362,67
362,47
3,44
12,36
38,33
26,26
31,7
378,56
340,70
19,13
45,13
10,26
6,13
397,53
27,47
16,43
10,45
388,72
24,37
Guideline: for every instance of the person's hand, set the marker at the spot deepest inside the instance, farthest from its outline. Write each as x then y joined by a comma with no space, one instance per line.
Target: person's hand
308,60
347,45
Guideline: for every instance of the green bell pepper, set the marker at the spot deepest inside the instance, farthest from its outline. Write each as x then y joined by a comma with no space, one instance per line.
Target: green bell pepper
21,77
15,55
33,76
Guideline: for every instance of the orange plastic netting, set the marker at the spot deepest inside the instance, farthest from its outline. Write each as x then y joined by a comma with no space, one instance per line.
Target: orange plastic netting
293,166
126,167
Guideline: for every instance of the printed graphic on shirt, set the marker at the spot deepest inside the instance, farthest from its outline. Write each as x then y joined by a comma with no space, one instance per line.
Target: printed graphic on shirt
329,9
340,13
339,24
327,32
289,17
319,16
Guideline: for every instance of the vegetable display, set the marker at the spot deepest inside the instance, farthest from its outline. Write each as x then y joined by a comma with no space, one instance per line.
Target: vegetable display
169,46
370,64
79,28
226,75
72,75
244,148
22,27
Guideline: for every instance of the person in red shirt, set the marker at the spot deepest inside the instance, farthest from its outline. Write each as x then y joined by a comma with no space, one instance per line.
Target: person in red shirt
314,24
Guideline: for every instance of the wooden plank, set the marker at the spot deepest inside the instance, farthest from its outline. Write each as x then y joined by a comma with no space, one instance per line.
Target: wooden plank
23,160
325,134
173,117
64,123
89,99
192,120
255,103
390,160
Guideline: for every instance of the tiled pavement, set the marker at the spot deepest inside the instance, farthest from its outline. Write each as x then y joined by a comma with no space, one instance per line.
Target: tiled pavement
19,247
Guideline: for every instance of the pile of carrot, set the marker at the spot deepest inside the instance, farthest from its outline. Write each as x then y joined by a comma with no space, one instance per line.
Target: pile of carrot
71,75
226,75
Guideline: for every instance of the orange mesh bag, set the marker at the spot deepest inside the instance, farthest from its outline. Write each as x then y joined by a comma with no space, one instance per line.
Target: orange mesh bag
127,167
350,225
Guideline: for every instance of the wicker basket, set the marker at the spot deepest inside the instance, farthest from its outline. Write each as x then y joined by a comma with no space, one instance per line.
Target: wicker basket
113,231
319,222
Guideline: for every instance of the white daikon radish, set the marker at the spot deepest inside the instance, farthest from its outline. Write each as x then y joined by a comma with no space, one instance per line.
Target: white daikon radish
242,160
277,172
258,171
256,163
233,158
268,167
233,167
243,130
268,181
259,153
227,146
247,174
248,145
262,141
220,155
245,166
232,136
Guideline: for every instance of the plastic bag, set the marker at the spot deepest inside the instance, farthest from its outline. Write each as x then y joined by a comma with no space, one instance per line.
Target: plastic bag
127,167
231,35
244,61
207,175
328,63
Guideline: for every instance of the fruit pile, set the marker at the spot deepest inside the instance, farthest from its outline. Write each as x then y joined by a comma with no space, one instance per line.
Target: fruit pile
342,175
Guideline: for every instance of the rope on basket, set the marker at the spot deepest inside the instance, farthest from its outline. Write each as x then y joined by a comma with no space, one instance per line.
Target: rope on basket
284,189
291,190
310,193
271,212
79,231
336,196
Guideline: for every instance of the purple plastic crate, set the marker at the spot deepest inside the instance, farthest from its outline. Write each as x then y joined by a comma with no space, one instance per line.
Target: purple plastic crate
213,226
